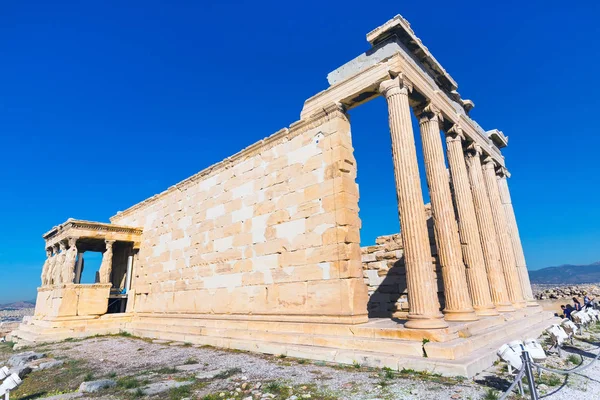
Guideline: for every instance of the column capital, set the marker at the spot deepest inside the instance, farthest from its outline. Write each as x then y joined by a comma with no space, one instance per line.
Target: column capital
489,163
109,242
474,150
455,133
397,85
428,112
72,241
502,172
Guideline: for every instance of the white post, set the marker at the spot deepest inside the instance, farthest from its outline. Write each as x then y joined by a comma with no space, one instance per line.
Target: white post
129,270
78,268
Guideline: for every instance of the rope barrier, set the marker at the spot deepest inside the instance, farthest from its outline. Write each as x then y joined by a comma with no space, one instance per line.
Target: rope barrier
527,370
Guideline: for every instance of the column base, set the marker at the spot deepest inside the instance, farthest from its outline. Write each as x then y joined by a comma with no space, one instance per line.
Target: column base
486,311
520,304
507,307
436,322
460,316
532,303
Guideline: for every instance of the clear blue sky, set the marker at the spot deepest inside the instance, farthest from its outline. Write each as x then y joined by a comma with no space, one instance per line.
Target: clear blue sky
103,104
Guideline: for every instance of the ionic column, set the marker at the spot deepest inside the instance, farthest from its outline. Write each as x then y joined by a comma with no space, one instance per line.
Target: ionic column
459,306
477,278
487,232
106,265
507,255
423,301
513,231
46,266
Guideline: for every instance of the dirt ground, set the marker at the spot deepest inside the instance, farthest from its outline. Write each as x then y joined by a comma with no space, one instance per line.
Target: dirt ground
215,374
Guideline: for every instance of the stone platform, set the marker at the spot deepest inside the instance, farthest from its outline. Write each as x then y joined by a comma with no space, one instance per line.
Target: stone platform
462,349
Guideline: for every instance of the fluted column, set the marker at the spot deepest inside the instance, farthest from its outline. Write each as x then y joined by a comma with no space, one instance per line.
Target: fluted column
106,265
459,306
424,312
487,232
477,278
513,230
507,255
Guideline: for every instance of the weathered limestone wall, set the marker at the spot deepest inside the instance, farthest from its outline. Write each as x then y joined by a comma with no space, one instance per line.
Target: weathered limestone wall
271,231
384,273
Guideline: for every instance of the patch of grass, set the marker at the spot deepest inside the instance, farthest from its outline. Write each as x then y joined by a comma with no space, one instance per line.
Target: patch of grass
166,370
301,361
490,394
180,392
282,356
42,383
549,379
124,334
112,375
573,359
228,373
128,382
190,361
88,377
388,373
138,393
355,364
277,388
187,344
212,396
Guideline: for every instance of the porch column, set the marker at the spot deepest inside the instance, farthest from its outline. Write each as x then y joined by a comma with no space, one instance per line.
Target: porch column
79,267
423,301
489,242
507,255
68,269
513,231
459,306
477,278
45,268
60,262
106,265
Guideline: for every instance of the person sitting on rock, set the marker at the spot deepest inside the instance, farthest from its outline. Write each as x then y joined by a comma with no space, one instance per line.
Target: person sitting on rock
576,304
567,310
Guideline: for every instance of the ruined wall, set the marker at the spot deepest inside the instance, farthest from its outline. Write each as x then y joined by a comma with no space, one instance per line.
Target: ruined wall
384,273
273,230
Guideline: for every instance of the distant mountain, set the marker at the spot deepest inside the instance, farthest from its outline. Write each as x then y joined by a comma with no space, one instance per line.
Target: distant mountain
18,305
567,274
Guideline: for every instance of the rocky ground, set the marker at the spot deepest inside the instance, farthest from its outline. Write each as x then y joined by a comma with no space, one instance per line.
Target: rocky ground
552,292
124,367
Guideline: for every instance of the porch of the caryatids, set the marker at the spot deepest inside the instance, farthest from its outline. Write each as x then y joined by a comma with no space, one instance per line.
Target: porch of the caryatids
487,231
424,312
477,277
507,255
458,304
513,231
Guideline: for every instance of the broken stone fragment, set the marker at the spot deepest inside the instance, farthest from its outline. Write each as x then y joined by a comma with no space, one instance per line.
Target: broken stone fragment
95,386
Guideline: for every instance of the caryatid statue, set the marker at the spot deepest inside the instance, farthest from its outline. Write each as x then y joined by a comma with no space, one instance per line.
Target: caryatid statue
46,267
52,265
106,265
68,269
58,265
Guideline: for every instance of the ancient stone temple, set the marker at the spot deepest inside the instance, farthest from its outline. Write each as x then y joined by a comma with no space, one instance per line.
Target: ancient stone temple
262,251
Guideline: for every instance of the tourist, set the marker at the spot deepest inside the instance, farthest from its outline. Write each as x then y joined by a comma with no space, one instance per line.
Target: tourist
576,304
567,310
587,301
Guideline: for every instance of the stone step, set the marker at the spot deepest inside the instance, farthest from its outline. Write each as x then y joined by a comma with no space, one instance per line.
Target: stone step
187,334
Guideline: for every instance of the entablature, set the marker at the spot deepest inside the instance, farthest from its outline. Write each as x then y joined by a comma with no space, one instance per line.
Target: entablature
89,231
